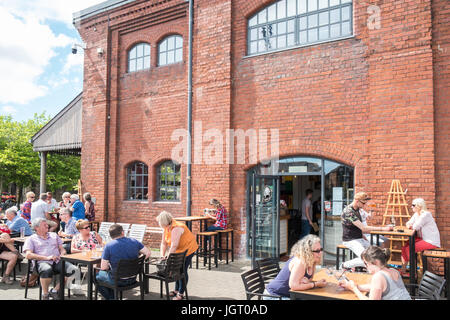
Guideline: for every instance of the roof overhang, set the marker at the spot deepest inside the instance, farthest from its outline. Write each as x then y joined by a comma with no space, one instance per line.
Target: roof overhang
99,8
62,134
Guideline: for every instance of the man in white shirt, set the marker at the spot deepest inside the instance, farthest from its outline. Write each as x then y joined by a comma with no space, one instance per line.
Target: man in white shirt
39,209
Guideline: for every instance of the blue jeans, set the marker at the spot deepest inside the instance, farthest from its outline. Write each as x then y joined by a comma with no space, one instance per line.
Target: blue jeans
306,228
179,284
213,228
105,276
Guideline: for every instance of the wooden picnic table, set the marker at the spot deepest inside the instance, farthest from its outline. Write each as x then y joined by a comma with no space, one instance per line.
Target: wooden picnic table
403,232
88,258
331,291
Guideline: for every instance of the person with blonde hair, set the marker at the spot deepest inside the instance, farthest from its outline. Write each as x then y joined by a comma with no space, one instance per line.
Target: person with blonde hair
85,239
427,233
221,216
177,238
298,271
386,283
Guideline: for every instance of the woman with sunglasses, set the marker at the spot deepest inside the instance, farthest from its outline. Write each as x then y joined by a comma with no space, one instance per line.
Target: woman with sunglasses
386,283
427,233
298,271
86,239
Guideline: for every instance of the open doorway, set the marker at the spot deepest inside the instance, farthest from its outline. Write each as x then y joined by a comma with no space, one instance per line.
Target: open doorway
293,191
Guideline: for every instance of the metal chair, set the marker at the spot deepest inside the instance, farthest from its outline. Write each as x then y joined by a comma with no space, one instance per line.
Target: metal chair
430,287
137,231
173,271
254,285
269,268
125,269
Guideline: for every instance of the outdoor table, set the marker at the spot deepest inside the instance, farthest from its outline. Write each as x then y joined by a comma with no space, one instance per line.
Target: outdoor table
440,255
189,220
88,258
403,232
19,242
331,291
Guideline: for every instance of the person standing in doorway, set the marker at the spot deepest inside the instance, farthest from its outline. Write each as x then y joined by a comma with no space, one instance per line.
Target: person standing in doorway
306,213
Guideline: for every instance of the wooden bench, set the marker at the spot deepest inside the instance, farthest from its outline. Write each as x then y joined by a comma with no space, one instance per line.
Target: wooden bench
339,248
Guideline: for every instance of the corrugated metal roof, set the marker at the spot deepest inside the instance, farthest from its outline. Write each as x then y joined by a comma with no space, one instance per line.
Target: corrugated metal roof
63,132
99,8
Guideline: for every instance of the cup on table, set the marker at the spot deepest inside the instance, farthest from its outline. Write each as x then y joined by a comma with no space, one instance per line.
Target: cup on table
22,232
84,251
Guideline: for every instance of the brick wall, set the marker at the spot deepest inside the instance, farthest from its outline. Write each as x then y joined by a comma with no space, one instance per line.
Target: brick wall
372,101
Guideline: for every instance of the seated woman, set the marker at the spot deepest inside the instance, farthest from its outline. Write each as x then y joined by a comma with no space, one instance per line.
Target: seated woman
427,233
86,239
386,284
221,216
298,271
177,238
8,252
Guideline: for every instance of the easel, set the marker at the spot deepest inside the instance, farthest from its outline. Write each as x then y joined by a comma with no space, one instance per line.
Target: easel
396,213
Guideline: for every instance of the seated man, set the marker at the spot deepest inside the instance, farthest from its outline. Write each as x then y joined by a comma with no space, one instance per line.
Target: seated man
120,248
8,252
69,227
353,229
46,247
16,222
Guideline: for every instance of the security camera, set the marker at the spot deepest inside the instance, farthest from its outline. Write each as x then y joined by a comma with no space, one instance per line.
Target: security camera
75,45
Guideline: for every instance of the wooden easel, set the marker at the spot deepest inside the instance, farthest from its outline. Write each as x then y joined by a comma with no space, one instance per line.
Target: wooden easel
396,213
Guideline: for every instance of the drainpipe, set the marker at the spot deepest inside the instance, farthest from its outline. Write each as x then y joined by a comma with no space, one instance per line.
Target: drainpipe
108,122
189,146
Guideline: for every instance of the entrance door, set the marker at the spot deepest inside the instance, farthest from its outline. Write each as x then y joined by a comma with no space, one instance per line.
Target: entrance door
264,237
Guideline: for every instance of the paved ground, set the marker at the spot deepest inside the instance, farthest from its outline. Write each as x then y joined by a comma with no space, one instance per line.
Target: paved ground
203,284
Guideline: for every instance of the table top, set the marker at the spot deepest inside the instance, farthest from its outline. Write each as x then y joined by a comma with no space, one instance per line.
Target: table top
398,231
436,254
192,218
86,257
332,289
22,240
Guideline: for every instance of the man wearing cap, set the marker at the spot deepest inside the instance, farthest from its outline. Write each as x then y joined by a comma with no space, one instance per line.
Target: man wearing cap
353,229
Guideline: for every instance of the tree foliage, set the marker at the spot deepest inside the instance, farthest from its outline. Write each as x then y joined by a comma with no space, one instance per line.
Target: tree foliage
19,164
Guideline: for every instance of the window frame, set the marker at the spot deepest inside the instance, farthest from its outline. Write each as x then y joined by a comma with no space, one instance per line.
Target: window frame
176,189
167,50
135,175
138,58
296,18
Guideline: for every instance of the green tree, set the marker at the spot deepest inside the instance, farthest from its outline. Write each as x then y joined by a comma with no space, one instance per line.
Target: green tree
19,164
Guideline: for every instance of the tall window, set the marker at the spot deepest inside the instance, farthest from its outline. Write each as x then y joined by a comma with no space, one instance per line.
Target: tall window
139,57
170,50
137,175
169,181
289,23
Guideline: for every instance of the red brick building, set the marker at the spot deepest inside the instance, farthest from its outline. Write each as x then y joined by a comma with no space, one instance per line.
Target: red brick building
364,84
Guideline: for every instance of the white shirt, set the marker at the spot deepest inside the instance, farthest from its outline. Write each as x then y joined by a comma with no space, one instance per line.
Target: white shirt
52,205
426,228
38,209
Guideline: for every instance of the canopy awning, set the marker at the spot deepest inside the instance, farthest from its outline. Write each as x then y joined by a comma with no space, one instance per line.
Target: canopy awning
62,134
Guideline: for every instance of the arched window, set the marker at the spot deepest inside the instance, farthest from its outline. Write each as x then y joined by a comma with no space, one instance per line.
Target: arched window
169,181
170,50
139,57
289,23
137,181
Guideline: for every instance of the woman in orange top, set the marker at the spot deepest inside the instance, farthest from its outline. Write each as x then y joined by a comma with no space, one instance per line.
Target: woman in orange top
177,238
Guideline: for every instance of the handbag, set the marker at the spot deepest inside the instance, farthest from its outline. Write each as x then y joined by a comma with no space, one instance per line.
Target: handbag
32,282
161,268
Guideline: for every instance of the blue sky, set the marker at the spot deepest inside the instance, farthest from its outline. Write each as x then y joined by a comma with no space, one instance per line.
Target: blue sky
38,71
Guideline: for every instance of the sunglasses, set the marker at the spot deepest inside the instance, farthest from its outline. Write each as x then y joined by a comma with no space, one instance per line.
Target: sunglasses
413,205
88,227
318,251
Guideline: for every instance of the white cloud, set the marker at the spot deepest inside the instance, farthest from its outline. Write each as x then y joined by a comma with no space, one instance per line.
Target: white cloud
29,45
9,110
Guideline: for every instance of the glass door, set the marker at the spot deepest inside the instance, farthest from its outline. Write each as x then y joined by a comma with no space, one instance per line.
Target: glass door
264,231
